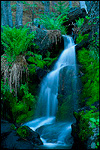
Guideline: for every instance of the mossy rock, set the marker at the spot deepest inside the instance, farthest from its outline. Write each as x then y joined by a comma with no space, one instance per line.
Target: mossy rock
23,131
27,133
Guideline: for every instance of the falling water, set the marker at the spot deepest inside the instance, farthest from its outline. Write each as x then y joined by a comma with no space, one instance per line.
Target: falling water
47,106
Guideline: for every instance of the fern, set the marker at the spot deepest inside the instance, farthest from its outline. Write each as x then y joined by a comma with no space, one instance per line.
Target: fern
52,23
16,41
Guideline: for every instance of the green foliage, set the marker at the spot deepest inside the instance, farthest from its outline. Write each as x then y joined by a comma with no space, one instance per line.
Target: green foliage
52,23
4,87
79,22
21,118
21,107
87,17
36,61
27,98
85,130
88,120
81,37
23,131
49,61
91,77
16,41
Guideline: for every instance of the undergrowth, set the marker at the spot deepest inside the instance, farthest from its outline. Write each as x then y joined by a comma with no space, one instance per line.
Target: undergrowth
16,41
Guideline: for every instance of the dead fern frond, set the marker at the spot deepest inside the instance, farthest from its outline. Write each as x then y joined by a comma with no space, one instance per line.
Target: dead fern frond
13,74
53,35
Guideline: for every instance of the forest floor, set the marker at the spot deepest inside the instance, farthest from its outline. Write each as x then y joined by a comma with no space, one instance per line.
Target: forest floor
39,8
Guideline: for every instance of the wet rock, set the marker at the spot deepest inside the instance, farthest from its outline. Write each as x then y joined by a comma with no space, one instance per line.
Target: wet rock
74,14
40,73
5,128
34,137
11,140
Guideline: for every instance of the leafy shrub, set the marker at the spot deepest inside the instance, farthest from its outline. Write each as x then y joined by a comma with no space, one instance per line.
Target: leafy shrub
16,41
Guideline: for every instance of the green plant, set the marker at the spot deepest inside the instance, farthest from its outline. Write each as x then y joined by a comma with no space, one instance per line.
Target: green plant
27,97
87,17
16,41
81,37
79,22
90,67
52,23
36,61
88,120
23,131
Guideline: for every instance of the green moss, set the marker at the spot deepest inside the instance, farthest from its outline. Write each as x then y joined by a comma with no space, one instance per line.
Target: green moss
90,68
88,120
13,127
64,107
23,132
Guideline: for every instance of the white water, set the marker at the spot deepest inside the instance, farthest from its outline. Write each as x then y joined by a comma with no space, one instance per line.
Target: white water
52,133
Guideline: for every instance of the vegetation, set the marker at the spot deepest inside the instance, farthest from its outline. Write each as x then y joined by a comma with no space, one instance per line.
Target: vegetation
91,76
88,120
52,23
81,37
21,107
23,131
17,41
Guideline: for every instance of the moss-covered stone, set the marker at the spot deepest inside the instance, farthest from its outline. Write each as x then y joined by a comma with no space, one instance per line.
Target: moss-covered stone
23,132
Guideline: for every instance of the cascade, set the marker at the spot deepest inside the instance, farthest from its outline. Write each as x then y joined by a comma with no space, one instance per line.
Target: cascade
51,132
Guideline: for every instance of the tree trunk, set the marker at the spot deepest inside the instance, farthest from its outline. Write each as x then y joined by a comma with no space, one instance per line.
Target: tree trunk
6,14
46,7
19,13
10,22
33,14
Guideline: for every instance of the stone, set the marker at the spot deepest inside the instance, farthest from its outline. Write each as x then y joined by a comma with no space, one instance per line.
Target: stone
11,140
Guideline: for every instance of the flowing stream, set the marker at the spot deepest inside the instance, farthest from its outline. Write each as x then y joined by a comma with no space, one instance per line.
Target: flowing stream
57,135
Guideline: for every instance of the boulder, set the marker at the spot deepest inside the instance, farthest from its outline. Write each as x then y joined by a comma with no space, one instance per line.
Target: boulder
5,128
33,136
75,14
13,141
10,139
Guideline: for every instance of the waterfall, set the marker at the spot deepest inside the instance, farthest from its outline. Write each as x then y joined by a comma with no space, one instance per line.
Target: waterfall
47,104
50,87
